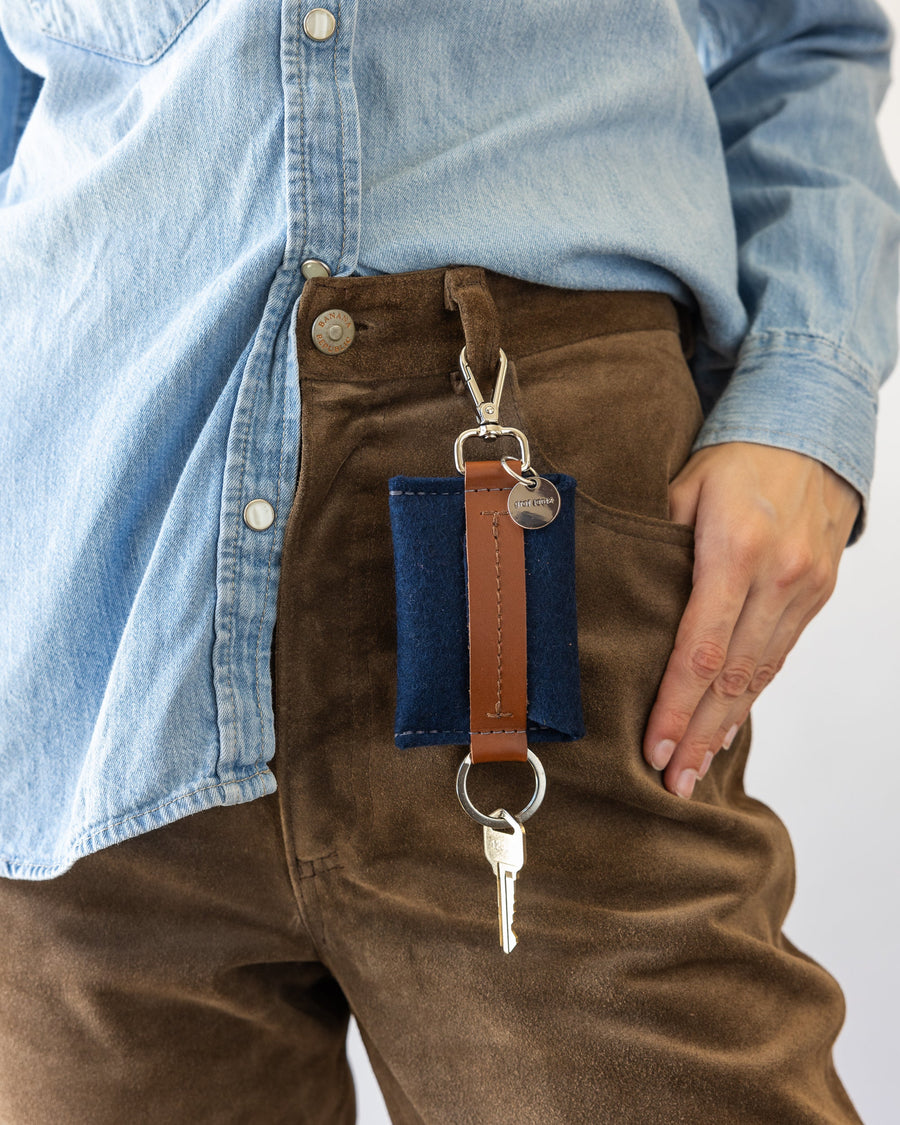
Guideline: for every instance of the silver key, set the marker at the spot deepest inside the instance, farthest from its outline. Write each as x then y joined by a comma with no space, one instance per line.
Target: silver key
505,852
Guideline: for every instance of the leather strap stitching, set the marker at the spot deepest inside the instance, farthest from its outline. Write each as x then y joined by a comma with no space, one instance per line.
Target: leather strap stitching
495,555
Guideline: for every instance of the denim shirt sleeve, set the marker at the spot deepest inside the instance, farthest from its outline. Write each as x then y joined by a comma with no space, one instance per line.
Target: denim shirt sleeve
796,85
19,89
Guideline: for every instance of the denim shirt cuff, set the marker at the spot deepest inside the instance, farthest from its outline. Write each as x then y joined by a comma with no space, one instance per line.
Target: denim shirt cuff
802,392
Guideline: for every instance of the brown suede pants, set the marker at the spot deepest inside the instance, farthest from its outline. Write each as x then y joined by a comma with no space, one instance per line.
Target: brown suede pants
204,973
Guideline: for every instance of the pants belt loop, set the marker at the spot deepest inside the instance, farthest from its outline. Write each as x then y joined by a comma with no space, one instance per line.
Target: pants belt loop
465,290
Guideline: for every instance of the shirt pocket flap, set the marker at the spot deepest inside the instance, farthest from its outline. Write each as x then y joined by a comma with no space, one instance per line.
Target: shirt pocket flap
134,31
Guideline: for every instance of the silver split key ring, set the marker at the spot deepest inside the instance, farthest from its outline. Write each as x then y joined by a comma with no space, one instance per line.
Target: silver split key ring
496,822
533,500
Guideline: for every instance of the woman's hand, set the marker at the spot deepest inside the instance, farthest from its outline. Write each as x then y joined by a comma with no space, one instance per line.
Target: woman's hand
770,526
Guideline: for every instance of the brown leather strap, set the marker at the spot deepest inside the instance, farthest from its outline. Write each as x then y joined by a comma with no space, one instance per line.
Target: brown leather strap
495,556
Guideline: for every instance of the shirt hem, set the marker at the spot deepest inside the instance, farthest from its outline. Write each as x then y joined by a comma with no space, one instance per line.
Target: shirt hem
207,795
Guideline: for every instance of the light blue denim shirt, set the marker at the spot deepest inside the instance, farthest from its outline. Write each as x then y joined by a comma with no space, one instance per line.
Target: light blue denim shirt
168,166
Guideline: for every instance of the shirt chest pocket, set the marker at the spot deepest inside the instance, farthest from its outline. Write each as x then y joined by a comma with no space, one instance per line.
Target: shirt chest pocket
134,31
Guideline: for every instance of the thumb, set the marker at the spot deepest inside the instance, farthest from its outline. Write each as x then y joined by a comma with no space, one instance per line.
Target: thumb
684,495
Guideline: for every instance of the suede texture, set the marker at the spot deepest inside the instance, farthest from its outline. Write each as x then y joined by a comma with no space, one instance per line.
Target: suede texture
205,972
428,532
465,291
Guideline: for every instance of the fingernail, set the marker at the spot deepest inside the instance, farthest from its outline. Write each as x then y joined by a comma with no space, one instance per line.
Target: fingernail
729,738
684,786
661,753
707,762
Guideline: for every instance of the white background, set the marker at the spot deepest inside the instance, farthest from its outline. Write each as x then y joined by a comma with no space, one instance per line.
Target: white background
826,758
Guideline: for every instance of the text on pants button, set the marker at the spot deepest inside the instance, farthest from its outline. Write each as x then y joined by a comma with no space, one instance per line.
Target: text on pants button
333,331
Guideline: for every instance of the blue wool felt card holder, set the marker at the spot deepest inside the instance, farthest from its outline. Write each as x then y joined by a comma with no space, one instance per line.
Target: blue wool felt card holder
428,524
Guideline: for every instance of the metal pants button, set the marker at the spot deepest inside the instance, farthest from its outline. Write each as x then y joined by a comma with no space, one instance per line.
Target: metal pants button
333,331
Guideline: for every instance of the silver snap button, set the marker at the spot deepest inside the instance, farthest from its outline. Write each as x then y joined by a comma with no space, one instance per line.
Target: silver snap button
312,267
259,514
333,331
319,24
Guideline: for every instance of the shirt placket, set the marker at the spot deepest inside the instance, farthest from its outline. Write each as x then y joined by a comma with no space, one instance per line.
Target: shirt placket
322,170
328,143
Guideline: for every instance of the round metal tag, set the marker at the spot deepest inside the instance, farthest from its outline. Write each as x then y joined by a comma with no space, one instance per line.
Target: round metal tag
534,507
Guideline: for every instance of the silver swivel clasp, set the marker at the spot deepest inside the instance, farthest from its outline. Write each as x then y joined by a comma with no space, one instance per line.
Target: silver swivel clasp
488,411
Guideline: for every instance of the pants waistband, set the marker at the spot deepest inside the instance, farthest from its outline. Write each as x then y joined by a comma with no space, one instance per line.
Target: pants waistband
405,317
